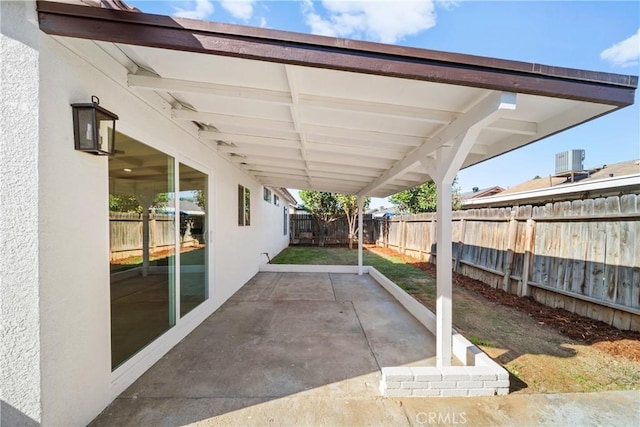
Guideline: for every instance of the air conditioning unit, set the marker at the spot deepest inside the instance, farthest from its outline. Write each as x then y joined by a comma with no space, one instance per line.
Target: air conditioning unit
569,161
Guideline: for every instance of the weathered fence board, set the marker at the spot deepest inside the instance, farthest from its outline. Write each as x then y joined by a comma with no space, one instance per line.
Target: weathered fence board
582,256
304,229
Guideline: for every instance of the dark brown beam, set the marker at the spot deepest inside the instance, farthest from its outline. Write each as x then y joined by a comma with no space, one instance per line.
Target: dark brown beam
332,53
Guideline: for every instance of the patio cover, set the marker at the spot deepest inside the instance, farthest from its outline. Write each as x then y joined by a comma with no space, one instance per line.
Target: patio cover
313,112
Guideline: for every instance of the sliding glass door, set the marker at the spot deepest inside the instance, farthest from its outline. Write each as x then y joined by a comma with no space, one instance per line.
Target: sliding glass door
147,224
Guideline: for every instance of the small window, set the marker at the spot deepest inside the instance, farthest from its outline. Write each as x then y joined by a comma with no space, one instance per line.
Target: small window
244,206
286,216
276,200
267,195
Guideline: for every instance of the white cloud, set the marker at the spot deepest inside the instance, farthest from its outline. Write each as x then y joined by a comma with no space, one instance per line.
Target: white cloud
625,53
378,20
448,4
263,22
241,9
200,10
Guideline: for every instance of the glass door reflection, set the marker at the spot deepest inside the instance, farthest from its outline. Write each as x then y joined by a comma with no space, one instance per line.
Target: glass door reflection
193,244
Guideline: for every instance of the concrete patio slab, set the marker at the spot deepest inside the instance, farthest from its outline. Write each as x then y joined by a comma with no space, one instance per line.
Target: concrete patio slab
283,334
303,286
277,354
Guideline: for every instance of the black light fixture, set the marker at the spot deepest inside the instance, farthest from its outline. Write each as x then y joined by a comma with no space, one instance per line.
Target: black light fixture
94,128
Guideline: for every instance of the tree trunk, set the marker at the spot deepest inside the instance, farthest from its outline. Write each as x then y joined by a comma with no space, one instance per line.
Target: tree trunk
322,233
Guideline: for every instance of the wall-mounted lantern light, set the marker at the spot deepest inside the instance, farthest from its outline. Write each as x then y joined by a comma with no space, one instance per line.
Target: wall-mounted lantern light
94,128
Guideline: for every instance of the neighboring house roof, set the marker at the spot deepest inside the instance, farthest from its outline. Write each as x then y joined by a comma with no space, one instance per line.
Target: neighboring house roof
382,212
605,171
481,192
298,210
287,195
186,207
602,181
297,110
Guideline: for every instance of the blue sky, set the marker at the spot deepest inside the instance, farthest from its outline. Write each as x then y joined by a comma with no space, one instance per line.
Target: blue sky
590,35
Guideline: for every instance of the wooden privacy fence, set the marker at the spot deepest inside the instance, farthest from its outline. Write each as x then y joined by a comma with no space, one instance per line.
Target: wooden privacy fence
304,229
125,234
583,256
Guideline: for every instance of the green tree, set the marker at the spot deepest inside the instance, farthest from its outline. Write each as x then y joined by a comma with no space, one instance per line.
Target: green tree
324,207
201,199
423,198
349,205
118,203
121,203
329,207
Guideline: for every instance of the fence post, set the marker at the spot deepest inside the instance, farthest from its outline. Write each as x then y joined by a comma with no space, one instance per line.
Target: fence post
529,248
511,247
463,227
403,238
434,242
385,232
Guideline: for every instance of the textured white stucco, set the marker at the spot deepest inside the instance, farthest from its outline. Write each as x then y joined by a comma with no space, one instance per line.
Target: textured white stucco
56,365
19,217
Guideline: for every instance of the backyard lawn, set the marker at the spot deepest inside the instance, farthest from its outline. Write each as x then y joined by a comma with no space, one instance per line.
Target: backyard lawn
539,357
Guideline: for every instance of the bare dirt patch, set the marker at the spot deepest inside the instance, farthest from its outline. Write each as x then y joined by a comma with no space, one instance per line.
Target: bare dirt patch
546,350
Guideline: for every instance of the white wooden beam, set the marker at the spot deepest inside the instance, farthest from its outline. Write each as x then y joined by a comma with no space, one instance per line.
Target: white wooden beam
358,169
479,115
480,149
318,131
250,141
277,152
224,119
146,82
275,170
286,183
356,151
305,185
344,176
358,143
282,175
249,134
376,108
292,82
517,127
351,160
258,161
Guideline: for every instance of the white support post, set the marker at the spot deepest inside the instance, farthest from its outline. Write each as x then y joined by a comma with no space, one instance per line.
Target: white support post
145,199
444,306
448,161
360,233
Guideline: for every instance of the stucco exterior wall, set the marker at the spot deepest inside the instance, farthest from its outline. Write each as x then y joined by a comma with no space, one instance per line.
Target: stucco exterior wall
55,267
19,220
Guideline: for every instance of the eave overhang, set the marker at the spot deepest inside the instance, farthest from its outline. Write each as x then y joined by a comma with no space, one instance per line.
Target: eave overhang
290,135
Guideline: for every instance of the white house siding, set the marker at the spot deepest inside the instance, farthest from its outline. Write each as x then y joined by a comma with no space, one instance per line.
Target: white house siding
58,366
19,220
